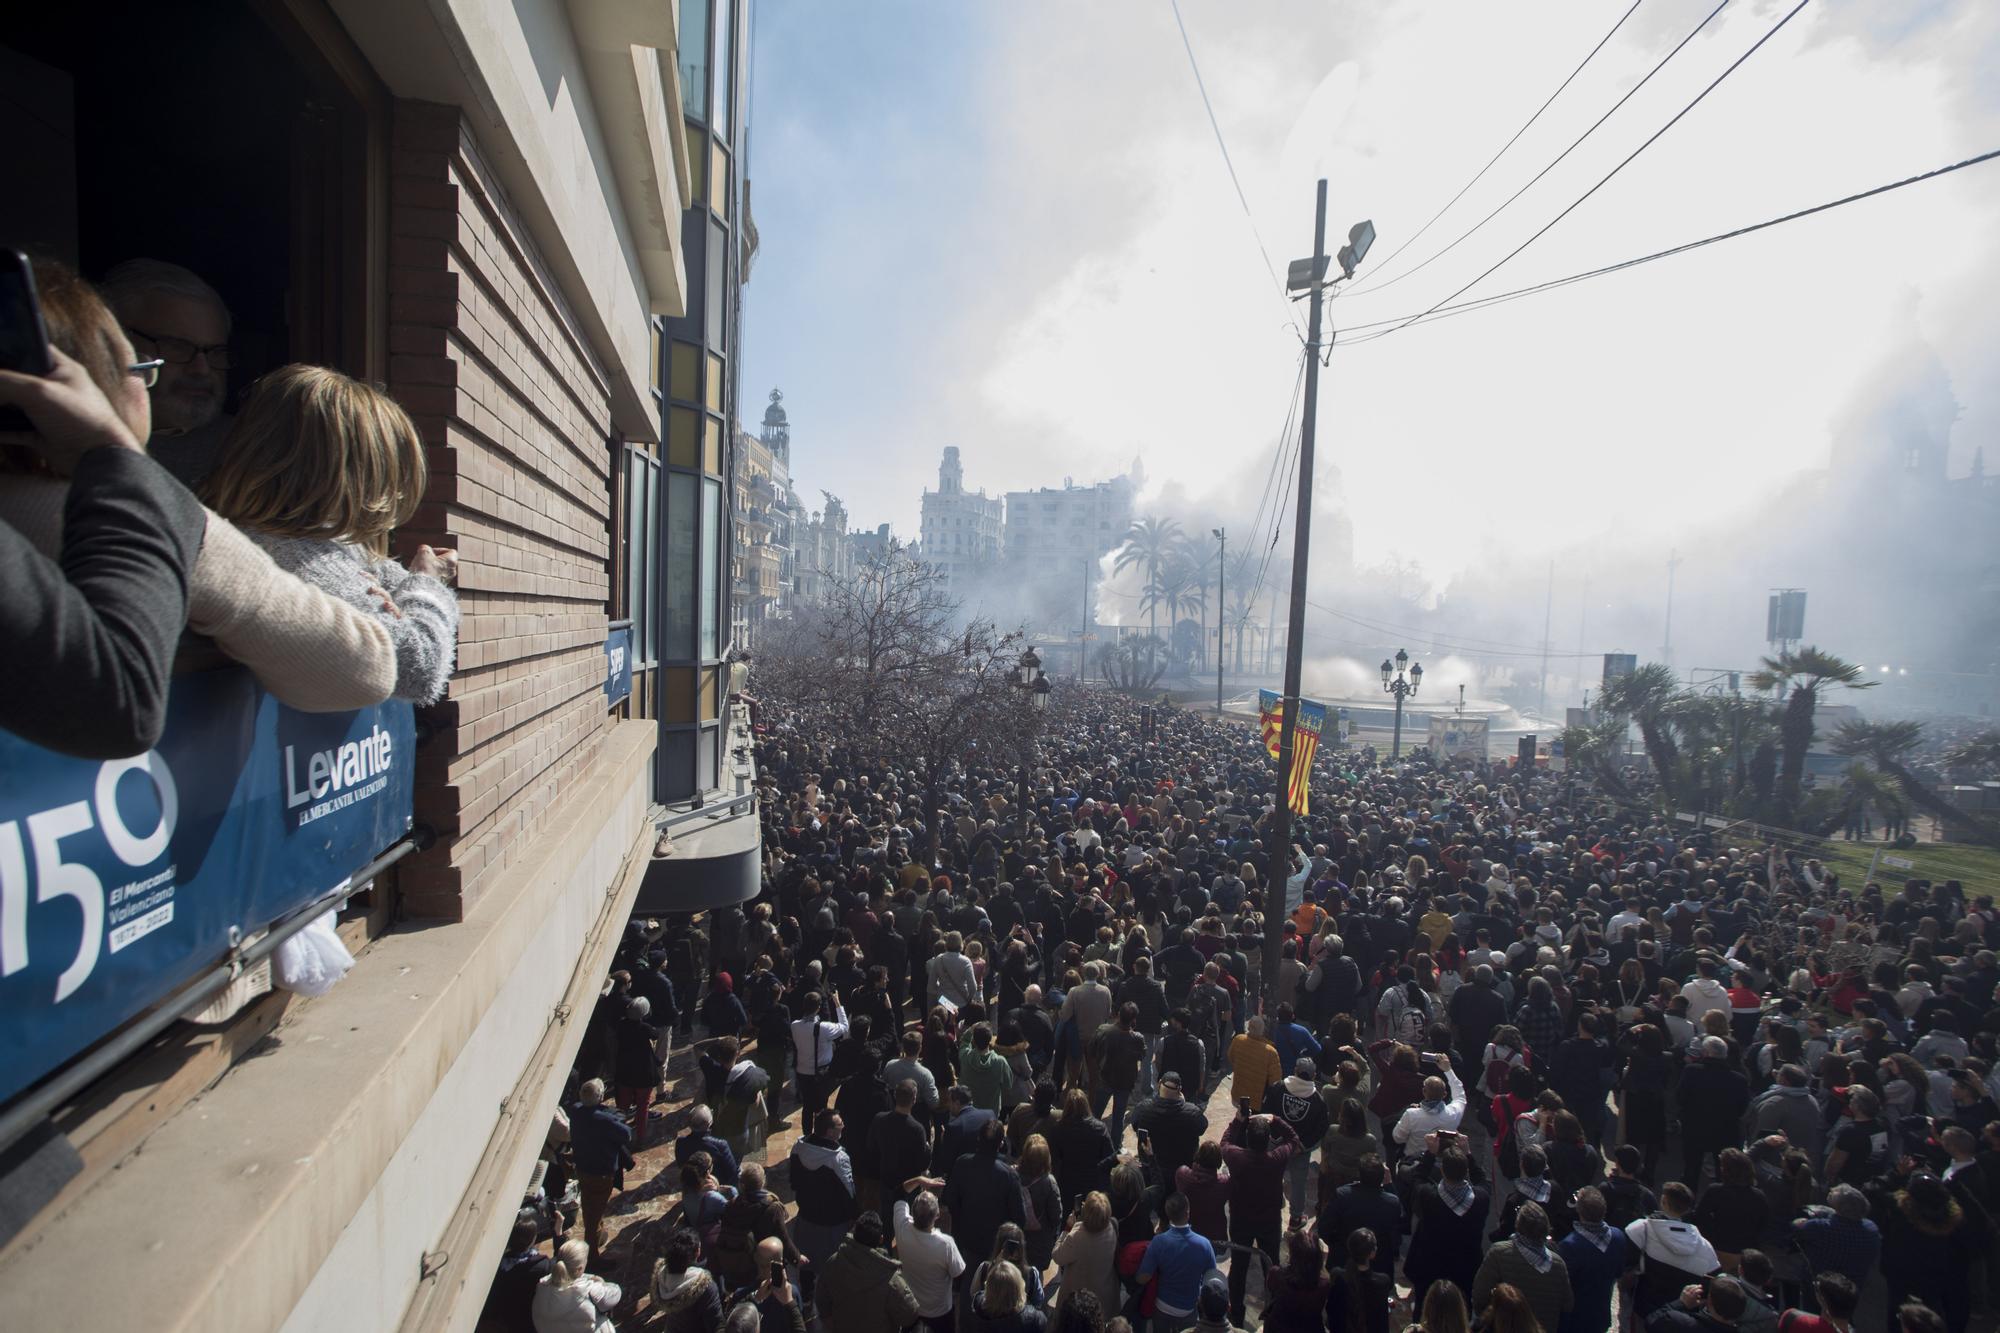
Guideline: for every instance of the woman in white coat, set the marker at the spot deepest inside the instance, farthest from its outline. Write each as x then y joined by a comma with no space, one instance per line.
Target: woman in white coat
569,1300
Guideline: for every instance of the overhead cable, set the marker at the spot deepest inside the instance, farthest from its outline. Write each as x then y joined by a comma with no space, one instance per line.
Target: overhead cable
1368,283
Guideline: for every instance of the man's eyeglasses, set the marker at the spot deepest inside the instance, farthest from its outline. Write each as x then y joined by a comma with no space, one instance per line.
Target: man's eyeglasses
179,351
147,371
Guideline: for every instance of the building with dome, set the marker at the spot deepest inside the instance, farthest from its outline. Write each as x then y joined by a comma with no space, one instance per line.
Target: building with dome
961,531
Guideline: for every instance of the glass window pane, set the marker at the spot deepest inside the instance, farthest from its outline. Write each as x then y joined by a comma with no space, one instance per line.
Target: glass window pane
678,570
714,398
711,693
677,702
711,447
697,138
694,57
635,540
721,63
653,333
718,179
684,437
711,567
713,301
649,560
685,380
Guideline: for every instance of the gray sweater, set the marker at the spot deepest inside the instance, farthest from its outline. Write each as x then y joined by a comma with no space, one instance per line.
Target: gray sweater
425,637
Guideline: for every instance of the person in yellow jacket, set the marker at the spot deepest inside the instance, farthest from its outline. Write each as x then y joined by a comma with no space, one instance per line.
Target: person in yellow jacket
1253,1064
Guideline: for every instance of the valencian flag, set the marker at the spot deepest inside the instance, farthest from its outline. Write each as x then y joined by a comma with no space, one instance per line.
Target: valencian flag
1305,741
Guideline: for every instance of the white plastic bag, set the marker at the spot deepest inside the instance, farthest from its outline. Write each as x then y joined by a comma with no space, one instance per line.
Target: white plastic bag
312,961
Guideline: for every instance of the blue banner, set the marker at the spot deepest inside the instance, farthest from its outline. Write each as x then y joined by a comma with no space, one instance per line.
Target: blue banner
120,881
618,663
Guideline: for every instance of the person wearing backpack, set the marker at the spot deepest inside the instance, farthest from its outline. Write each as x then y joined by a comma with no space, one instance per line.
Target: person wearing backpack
752,1215
1497,1063
1404,1009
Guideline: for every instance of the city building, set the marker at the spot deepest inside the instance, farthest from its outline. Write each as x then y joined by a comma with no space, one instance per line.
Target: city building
825,550
961,529
527,221
768,513
1068,525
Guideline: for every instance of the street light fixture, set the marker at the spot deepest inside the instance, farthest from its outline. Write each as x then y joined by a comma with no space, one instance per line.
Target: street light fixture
1026,669
1396,682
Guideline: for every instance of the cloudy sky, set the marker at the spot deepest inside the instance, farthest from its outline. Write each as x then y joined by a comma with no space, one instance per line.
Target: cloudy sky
1008,226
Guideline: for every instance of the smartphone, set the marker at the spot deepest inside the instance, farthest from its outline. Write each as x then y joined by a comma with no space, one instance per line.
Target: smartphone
1244,1104
777,1272
24,338
1144,1137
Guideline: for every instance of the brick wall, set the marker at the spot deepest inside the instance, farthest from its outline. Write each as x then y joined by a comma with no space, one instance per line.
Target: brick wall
514,409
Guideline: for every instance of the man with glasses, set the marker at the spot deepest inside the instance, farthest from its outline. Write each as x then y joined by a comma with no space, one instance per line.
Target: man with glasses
174,317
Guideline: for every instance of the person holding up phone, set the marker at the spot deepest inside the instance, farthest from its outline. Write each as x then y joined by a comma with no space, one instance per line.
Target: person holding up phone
312,651
93,629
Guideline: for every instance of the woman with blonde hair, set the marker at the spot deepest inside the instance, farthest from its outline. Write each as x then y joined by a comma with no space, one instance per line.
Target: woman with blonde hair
306,648
320,468
569,1300
1001,1303
1087,1254
1044,1200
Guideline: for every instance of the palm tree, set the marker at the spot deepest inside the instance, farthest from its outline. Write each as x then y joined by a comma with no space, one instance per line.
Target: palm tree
1242,596
1600,751
1648,696
1150,542
1201,577
1806,672
1889,745
1862,786
1975,757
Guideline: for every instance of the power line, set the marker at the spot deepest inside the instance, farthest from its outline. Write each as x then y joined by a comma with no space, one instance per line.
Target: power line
1734,65
1692,33
1390,258
1388,326
1443,643
1277,283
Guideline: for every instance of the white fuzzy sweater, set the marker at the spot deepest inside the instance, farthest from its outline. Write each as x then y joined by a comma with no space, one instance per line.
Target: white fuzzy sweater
316,653
426,636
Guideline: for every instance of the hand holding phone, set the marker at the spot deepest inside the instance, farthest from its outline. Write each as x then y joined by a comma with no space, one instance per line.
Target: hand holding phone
67,415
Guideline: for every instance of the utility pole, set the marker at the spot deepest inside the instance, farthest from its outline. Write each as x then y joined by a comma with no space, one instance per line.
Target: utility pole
1221,617
1667,638
1083,635
1295,633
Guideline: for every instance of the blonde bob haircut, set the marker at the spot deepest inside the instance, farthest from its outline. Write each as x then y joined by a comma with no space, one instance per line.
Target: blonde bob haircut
317,454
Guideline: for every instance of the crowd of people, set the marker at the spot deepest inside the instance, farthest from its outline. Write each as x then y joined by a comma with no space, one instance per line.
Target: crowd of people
1530,1061
142,525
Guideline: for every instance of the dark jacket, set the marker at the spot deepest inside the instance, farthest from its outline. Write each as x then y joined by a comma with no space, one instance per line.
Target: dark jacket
1475,1011
91,634
1257,1179
1445,1245
1176,1127
960,1136
1363,1206
822,1182
980,1193
690,1301
863,1291
1713,1098
510,1302
1080,1148
1549,1294
634,1063
719,1152
900,1148
1182,1053
749,1218
598,1140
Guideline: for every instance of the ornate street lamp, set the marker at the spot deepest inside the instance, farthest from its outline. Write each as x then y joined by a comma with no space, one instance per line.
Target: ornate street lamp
1396,682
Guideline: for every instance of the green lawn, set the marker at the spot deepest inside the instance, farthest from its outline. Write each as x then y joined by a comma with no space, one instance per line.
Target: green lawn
1978,868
